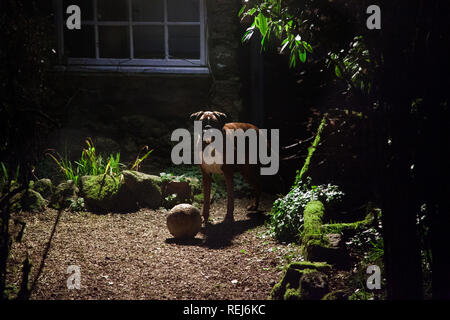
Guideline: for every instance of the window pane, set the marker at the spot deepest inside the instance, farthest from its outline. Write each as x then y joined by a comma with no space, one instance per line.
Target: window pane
80,43
183,10
112,10
148,10
113,42
184,42
86,6
148,42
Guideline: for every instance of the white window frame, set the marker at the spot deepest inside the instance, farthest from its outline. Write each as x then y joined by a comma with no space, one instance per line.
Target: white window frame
166,65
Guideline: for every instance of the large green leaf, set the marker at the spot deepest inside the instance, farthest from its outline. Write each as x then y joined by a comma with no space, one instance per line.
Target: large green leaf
337,70
262,23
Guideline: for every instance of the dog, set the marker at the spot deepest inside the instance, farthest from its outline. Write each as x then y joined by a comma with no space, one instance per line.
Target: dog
250,172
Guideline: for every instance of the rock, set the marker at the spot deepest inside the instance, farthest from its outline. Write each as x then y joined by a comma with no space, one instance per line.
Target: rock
313,285
44,187
181,189
146,188
64,194
184,221
290,285
107,193
28,200
335,240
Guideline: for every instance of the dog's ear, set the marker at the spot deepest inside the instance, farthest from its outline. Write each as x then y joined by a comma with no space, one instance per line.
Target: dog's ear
222,117
195,116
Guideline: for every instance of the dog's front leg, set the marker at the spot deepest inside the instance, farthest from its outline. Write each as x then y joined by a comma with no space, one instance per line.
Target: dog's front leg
206,196
229,173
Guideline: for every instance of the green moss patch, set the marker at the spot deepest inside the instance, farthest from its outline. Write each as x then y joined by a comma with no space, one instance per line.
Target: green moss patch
106,193
289,286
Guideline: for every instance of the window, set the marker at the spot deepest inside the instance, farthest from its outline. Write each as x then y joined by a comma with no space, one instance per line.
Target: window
135,35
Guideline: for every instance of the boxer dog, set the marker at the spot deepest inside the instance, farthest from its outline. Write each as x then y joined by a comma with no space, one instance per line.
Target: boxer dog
217,120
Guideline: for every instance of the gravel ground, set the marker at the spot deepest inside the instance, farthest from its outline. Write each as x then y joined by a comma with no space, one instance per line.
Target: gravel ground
133,256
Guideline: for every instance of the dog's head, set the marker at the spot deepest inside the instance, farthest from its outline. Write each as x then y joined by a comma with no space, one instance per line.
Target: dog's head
210,119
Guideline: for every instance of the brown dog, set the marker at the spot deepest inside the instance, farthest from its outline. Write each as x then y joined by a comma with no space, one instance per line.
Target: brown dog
214,119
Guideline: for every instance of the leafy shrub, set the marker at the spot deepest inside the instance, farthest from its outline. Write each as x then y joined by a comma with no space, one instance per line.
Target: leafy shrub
166,177
181,173
286,221
77,205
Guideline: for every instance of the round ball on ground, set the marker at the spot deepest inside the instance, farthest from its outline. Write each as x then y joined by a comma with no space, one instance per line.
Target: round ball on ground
184,221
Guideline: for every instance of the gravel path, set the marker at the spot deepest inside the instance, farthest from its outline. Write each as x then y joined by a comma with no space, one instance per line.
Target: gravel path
133,256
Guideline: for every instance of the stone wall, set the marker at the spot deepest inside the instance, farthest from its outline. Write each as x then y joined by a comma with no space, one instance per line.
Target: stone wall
123,112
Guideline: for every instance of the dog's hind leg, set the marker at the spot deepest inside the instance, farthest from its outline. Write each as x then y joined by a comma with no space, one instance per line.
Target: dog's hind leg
206,196
251,176
229,175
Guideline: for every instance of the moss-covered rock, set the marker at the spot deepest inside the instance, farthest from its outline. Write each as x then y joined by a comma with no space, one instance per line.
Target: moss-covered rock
313,215
304,265
317,244
27,200
64,194
348,227
292,294
107,193
289,287
44,187
145,188
313,285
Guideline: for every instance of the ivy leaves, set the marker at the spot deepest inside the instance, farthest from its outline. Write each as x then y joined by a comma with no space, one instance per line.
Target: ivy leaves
271,17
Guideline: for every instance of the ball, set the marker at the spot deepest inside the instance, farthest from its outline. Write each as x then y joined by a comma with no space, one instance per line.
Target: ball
184,221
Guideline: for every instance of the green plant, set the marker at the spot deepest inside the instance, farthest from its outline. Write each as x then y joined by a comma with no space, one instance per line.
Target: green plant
5,177
353,65
275,17
89,164
183,173
77,205
287,212
286,216
166,177
138,161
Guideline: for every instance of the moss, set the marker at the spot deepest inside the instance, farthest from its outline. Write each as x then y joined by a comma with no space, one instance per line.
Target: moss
145,188
346,227
313,215
28,200
44,187
292,294
290,279
99,187
288,288
275,293
64,193
308,265
104,192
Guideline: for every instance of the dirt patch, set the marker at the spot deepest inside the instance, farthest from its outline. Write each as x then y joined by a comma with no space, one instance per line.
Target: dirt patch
133,256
